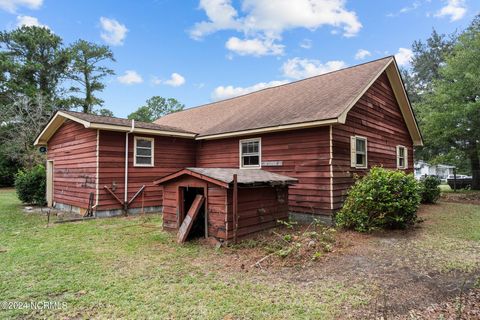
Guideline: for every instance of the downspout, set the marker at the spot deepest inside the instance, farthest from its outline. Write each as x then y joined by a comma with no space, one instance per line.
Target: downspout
126,167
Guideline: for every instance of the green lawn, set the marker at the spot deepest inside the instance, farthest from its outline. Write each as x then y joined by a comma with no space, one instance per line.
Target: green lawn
130,268
115,268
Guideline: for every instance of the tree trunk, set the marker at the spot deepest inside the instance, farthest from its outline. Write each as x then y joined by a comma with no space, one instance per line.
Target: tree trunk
475,164
87,104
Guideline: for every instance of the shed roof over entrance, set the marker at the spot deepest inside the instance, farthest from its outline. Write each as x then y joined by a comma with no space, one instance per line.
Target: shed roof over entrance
224,176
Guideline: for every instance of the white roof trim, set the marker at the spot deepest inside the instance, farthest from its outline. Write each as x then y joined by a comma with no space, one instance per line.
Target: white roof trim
60,117
398,88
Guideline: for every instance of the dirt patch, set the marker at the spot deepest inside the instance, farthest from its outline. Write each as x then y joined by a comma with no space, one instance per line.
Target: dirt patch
470,197
396,269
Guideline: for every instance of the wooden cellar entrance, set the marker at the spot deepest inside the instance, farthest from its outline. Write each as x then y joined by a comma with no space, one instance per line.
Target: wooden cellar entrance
223,203
196,228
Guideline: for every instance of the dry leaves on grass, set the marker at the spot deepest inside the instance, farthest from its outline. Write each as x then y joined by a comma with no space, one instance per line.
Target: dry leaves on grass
289,245
465,306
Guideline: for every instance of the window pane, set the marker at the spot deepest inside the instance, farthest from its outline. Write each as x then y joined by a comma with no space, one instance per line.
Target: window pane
360,160
251,161
244,147
144,152
401,152
144,160
255,147
250,147
401,162
360,145
144,143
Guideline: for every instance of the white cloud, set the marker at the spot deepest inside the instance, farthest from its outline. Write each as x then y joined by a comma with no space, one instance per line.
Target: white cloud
297,68
263,20
415,5
130,77
12,5
29,21
306,44
222,92
221,15
362,54
455,9
113,31
254,47
175,80
403,56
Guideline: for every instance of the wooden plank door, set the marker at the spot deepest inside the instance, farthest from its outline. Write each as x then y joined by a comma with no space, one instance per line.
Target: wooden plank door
190,218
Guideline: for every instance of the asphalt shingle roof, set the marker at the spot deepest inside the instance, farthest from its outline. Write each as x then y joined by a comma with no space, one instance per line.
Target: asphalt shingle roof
318,98
244,176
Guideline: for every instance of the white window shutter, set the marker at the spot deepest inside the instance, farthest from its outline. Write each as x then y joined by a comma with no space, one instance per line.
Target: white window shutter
353,152
406,158
398,157
366,153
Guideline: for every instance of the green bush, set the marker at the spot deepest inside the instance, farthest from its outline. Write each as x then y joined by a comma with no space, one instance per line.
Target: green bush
31,185
383,198
430,189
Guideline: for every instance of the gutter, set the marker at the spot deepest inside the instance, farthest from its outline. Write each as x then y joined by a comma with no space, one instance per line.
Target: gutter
126,165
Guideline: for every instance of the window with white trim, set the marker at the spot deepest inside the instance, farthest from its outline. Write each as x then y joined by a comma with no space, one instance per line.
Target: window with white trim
402,157
250,153
143,150
358,150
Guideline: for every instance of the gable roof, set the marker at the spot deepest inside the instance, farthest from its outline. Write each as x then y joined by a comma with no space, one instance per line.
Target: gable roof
224,176
320,100
107,123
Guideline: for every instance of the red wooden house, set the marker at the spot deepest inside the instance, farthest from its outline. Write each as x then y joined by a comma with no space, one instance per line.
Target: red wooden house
321,131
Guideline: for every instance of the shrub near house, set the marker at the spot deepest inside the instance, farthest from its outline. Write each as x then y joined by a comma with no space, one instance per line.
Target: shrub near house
382,199
31,184
430,190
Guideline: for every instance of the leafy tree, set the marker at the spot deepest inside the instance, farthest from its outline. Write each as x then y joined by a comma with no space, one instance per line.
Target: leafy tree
451,112
87,71
32,62
142,114
26,118
428,58
104,112
155,108
8,169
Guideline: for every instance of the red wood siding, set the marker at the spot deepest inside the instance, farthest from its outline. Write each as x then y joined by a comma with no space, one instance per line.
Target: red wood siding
305,155
258,209
170,155
73,151
377,117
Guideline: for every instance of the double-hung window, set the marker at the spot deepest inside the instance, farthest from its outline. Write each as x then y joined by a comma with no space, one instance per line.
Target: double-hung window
402,157
358,147
143,148
250,153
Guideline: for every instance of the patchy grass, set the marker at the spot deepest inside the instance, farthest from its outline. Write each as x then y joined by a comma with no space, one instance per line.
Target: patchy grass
448,239
129,268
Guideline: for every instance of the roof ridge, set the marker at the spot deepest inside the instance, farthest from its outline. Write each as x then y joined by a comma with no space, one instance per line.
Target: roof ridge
281,85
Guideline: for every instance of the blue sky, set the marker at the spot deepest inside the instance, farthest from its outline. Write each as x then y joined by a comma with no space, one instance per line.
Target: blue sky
201,51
